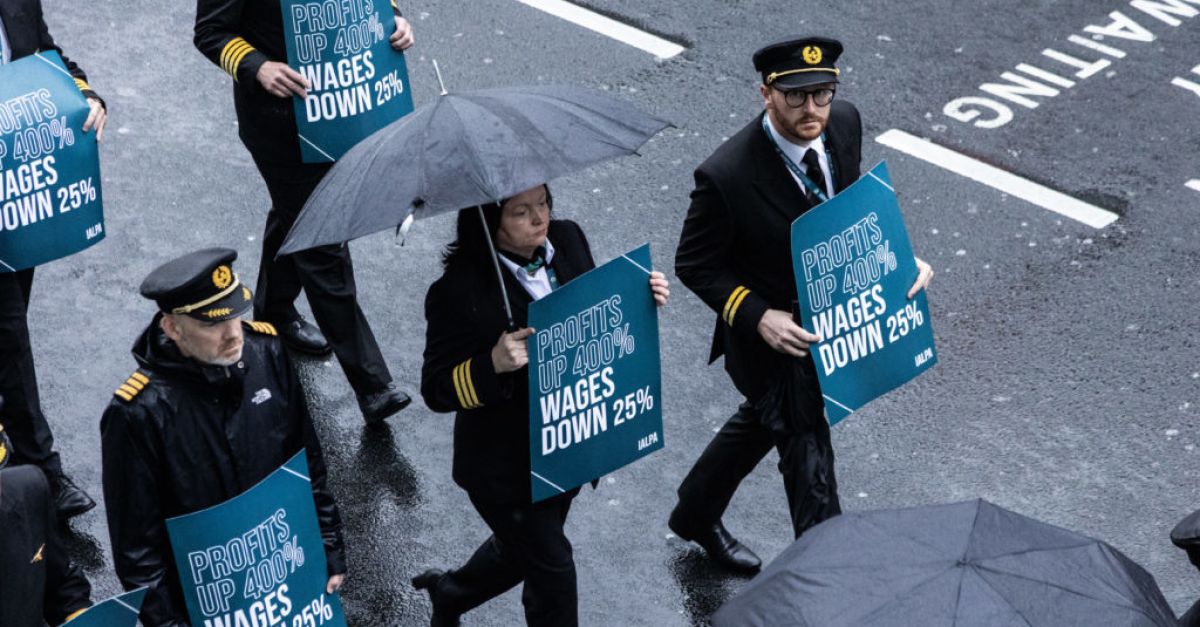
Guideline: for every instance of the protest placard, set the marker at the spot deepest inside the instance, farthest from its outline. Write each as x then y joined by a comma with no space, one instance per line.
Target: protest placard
258,558
357,84
595,380
118,611
854,265
50,199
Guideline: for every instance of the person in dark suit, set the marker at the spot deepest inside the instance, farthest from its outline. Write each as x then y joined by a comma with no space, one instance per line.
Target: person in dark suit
214,408
484,380
23,32
246,39
735,254
38,583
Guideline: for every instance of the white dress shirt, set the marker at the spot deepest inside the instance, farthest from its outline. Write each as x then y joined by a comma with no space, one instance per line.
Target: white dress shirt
5,49
795,152
538,283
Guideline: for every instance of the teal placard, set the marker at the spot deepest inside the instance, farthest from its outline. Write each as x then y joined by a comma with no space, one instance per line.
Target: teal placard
258,558
118,611
357,83
51,204
854,265
595,377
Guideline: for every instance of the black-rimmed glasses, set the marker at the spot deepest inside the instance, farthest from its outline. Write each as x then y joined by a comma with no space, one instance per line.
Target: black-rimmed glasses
795,98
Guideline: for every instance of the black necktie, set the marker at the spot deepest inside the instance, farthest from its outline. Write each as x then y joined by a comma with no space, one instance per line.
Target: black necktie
812,167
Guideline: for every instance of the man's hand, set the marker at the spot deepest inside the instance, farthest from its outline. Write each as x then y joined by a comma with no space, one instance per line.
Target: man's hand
924,276
96,119
511,352
282,81
402,39
781,333
658,286
335,582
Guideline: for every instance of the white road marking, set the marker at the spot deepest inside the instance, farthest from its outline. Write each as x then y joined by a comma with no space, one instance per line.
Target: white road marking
994,177
1194,184
608,27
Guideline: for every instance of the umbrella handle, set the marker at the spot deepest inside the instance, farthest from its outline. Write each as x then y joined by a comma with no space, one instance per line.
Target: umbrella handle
499,274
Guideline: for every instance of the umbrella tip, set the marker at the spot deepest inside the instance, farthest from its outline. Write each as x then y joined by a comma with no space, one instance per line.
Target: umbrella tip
438,71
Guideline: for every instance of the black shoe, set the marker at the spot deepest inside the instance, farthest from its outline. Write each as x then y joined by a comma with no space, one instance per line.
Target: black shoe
428,581
69,499
721,546
377,406
302,336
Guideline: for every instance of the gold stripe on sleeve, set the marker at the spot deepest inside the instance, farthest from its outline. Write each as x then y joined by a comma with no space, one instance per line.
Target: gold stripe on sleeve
458,388
737,303
733,296
471,395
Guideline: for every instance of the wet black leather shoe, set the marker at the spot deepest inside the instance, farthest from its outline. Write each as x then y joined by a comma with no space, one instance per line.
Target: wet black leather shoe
721,546
428,581
69,499
377,406
303,336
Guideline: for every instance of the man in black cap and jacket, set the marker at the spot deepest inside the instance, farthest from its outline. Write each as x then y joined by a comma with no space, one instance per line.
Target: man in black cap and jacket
23,32
213,408
246,39
38,583
735,254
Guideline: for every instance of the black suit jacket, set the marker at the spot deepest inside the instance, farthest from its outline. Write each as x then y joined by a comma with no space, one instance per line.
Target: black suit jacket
735,249
26,30
465,317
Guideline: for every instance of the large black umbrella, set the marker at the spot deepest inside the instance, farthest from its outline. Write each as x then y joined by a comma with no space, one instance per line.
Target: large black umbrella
466,149
969,564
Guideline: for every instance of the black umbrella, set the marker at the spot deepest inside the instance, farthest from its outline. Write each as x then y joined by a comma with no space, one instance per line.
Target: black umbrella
467,149
969,564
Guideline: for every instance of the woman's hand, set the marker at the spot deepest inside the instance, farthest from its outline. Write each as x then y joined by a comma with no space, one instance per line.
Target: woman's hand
511,351
658,285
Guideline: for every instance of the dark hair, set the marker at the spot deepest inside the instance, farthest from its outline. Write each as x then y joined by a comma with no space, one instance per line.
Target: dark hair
469,244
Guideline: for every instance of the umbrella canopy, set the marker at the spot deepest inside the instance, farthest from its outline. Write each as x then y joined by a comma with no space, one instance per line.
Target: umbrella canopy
467,149
969,564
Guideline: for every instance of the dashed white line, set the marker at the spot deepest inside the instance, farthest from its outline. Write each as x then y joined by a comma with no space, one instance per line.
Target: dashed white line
1193,184
996,178
608,27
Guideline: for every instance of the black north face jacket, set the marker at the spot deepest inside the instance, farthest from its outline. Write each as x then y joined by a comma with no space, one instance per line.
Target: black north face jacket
181,436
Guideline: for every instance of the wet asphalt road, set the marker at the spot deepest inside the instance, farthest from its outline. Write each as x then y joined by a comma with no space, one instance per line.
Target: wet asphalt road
1068,384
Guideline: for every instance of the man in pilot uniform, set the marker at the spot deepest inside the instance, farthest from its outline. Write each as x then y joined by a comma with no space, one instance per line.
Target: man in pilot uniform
735,254
213,408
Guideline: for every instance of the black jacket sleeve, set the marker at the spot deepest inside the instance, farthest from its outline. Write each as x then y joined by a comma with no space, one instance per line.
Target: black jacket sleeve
328,516
457,372
46,42
141,550
704,259
67,589
216,37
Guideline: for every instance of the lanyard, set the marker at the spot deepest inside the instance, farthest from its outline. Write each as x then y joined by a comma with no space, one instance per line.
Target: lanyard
796,170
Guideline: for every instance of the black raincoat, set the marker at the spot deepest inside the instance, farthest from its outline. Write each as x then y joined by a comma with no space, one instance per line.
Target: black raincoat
181,436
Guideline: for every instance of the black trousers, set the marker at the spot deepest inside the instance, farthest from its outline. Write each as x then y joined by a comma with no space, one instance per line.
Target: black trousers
805,461
527,544
22,415
326,274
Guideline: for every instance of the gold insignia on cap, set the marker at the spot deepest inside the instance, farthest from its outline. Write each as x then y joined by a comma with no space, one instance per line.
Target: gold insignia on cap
222,277
266,328
812,55
245,293
37,557
218,312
